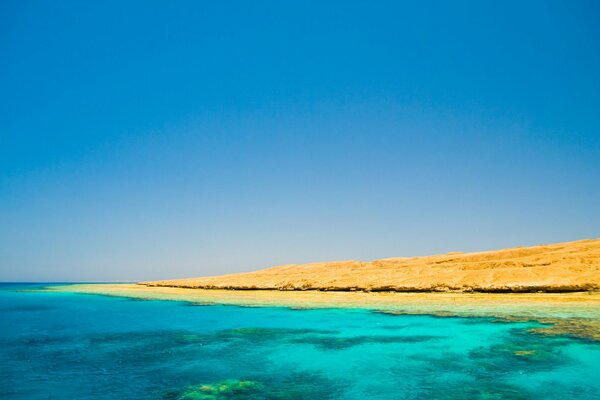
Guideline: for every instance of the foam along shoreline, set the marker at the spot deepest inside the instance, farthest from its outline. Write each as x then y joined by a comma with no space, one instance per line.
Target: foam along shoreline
556,268
575,314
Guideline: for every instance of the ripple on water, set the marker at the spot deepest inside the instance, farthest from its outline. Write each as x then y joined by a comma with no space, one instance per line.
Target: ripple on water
92,348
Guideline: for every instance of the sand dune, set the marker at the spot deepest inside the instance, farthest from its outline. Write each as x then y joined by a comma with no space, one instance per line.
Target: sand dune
561,267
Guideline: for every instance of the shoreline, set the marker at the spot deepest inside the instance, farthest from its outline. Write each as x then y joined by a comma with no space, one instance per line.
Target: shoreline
564,314
561,303
444,289
572,314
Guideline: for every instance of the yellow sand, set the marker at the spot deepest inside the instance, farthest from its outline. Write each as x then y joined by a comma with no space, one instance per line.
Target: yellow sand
562,267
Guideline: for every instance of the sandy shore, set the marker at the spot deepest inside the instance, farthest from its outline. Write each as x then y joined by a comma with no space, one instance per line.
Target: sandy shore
566,275
576,314
562,267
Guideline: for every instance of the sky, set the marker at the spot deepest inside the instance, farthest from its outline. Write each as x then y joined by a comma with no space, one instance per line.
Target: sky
152,139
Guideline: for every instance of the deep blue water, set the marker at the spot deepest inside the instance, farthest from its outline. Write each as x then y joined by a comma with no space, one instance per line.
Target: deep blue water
74,346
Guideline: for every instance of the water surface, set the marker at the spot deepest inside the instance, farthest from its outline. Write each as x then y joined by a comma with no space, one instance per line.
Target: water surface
57,345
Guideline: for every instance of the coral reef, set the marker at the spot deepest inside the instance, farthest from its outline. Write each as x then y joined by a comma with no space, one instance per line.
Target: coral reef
224,390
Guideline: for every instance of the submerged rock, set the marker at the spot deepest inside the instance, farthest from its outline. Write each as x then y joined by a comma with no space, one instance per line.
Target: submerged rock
582,328
227,389
341,343
292,386
524,353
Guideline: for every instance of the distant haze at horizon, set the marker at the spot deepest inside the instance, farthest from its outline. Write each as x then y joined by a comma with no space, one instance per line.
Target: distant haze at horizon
143,141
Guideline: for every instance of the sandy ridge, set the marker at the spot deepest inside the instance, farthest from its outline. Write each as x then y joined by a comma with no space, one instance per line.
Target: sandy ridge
561,267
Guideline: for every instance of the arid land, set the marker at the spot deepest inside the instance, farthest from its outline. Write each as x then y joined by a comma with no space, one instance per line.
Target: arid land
562,267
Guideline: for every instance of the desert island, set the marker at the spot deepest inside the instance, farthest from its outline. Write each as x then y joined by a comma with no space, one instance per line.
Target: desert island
555,284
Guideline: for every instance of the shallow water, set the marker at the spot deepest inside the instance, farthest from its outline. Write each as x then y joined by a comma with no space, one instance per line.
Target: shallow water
56,345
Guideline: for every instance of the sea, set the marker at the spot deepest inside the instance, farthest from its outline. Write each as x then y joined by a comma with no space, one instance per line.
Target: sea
57,345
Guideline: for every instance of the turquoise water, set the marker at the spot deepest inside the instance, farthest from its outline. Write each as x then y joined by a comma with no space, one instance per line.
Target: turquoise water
74,346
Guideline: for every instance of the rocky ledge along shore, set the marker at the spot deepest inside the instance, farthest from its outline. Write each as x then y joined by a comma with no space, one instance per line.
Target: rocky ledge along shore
561,267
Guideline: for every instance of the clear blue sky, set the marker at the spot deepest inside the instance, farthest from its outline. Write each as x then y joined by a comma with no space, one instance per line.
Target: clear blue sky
143,140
